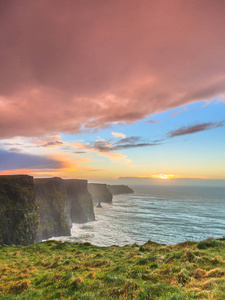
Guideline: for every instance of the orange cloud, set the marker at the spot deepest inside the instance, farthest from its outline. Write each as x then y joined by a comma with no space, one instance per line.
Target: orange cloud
118,134
109,154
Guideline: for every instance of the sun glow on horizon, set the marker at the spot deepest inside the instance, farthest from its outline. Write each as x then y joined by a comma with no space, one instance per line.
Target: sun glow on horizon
164,176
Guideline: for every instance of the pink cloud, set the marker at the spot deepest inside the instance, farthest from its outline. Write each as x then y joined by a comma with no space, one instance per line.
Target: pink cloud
71,65
153,121
177,112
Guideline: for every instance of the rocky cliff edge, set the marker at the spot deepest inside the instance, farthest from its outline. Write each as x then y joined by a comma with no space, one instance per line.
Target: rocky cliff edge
19,215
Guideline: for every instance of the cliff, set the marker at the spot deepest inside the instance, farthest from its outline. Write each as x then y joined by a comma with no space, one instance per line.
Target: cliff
119,189
54,207
81,206
19,217
99,192
62,202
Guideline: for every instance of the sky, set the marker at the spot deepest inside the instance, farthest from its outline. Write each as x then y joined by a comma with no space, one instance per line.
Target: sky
112,90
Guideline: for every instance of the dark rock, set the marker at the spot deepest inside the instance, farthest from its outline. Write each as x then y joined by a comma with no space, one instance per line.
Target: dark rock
99,205
58,202
62,202
19,216
99,192
81,210
119,189
54,207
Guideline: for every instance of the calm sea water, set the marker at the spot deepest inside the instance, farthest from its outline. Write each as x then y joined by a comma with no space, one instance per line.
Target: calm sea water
164,214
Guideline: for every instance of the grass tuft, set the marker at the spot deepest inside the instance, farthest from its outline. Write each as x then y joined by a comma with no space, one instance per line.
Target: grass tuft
56,270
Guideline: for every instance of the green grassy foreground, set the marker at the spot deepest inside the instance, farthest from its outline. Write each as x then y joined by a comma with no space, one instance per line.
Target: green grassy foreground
56,270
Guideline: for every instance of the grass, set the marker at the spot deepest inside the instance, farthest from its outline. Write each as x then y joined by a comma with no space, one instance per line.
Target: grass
56,270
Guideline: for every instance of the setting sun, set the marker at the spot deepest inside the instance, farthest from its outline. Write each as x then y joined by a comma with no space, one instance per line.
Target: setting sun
164,176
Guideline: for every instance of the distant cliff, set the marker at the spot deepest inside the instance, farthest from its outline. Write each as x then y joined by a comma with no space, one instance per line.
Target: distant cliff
62,202
99,192
119,189
19,216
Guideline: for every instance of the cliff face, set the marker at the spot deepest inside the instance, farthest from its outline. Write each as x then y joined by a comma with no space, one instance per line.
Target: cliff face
19,216
54,207
62,202
99,192
81,206
119,189
32,211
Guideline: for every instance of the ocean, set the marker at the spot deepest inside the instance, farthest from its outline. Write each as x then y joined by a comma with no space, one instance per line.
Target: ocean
164,214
